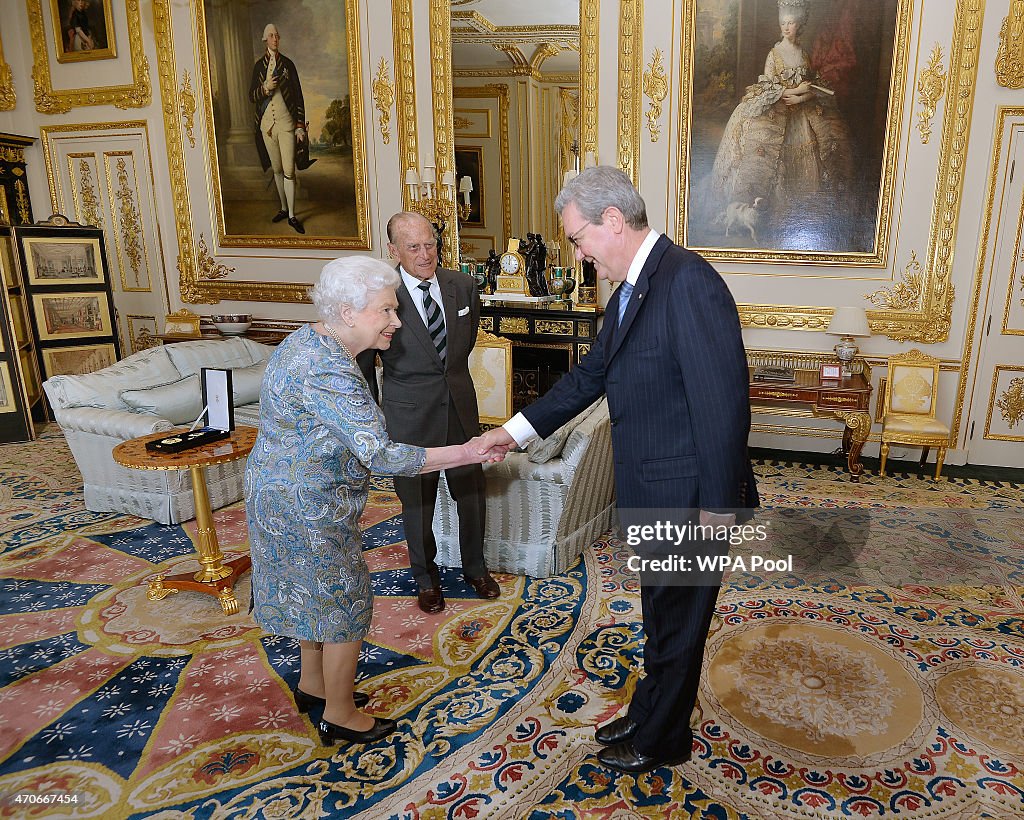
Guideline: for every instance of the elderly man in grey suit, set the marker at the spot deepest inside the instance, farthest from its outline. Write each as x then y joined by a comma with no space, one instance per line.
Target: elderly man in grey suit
429,400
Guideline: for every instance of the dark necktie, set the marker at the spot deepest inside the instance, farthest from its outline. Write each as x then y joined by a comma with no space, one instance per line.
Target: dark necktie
435,321
625,291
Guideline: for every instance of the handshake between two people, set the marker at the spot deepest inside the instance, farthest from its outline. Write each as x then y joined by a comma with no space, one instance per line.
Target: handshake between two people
492,446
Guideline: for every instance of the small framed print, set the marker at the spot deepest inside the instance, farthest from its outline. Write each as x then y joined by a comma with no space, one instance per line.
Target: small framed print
831,372
71,315
183,324
63,261
8,404
77,359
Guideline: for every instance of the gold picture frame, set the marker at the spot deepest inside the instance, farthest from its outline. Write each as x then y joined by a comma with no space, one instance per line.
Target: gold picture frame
184,324
77,360
333,210
66,261
21,334
8,400
72,315
137,94
86,30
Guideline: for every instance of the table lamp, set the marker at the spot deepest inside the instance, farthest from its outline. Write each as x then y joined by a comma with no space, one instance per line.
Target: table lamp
846,323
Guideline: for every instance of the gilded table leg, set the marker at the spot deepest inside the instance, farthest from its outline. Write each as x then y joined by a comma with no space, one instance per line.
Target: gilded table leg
210,557
858,427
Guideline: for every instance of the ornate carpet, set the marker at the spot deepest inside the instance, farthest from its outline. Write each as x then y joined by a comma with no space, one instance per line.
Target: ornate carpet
897,692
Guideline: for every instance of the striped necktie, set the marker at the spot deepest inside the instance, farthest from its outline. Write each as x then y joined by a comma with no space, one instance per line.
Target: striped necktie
435,320
625,291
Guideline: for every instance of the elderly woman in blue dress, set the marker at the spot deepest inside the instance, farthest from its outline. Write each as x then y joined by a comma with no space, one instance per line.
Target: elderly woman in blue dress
320,436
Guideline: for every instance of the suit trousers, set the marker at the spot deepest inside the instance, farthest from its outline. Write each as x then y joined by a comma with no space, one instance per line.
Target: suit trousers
418,495
676,623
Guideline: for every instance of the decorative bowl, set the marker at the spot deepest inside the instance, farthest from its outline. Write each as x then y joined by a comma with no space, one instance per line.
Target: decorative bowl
232,324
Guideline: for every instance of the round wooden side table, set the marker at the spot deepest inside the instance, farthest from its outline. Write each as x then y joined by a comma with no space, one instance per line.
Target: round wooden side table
215,578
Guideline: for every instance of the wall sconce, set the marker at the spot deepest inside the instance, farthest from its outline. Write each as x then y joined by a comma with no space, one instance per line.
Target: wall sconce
437,204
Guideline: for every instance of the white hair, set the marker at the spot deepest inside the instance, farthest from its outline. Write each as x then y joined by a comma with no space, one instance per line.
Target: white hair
270,27
351,280
794,10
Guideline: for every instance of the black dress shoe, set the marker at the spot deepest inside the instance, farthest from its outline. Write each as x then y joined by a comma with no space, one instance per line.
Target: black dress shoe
331,733
282,214
485,586
296,225
430,600
623,757
306,702
618,730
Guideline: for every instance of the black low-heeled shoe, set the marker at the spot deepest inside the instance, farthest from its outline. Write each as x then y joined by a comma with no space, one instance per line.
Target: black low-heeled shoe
306,702
331,733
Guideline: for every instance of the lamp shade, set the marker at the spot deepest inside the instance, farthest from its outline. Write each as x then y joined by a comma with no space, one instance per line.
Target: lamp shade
849,321
466,184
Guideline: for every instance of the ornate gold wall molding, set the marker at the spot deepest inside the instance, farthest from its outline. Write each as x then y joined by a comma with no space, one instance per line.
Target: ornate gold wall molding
128,221
137,95
187,104
501,93
785,317
589,19
905,294
8,98
209,268
931,85
87,203
405,82
441,85
631,15
1011,402
1010,55
383,99
655,89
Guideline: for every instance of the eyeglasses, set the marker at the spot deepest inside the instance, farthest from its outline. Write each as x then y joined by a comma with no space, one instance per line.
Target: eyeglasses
574,238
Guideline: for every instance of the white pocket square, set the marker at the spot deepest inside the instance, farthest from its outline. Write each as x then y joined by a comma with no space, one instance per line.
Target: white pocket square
464,311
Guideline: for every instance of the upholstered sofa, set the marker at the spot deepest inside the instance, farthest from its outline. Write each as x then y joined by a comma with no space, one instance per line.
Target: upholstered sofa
153,390
543,505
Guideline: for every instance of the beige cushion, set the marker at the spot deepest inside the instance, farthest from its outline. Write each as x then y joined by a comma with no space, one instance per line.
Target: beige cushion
543,450
246,382
179,402
101,387
191,357
915,425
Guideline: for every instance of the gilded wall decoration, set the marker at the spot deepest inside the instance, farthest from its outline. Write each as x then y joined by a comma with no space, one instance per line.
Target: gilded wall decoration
589,43
930,87
187,104
1011,403
209,268
631,14
87,203
441,85
1010,55
905,294
142,332
138,94
310,180
8,98
383,99
128,236
405,88
655,89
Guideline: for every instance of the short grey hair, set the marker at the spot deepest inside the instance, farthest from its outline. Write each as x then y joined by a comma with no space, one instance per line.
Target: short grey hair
267,29
351,280
603,187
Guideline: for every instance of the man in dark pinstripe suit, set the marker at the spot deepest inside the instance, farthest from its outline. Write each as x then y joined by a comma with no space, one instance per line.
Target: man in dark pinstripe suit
670,357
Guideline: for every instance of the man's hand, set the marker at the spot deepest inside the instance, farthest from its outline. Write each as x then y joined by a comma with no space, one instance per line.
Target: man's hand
300,134
717,519
494,442
270,84
477,452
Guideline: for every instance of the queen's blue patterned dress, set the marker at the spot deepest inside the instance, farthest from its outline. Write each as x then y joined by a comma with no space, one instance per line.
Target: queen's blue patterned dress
306,483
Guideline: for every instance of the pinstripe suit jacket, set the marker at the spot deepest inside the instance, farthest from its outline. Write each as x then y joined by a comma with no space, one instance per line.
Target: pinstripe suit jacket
677,383
418,387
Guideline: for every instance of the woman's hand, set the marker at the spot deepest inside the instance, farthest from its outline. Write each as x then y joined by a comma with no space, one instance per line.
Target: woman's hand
794,96
478,450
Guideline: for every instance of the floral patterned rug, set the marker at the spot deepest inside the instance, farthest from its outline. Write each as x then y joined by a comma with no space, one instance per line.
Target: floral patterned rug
898,691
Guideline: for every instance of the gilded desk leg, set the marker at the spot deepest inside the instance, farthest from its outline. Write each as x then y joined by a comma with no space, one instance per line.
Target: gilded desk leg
210,556
228,601
858,425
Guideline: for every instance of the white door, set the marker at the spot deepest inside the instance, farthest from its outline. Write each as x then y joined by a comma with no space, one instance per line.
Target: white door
995,432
